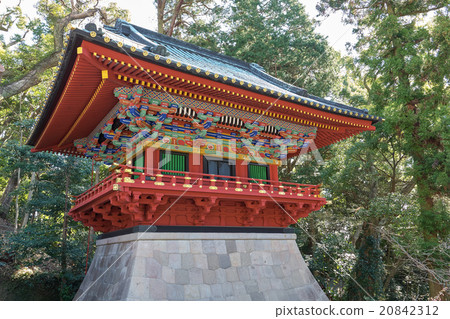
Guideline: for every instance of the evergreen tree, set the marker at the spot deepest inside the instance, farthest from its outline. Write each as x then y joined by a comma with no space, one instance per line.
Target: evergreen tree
403,52
276,34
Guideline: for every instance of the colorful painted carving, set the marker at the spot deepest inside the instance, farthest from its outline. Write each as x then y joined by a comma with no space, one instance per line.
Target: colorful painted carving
140,118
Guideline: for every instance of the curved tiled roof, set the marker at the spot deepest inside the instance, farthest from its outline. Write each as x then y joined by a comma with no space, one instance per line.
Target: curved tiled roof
207,62
167,52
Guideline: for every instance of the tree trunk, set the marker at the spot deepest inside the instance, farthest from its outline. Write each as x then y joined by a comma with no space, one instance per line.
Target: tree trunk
30,197
16,218
30,79
428,214
368,271
175,14
161,7
6,197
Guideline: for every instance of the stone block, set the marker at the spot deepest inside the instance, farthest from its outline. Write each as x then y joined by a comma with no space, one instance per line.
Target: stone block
195,276
158,289
200,266
183,247
235,259
298,279
238,288
216,292
221,248
257,296
284,256
231,246
272,295
245,297
181,276
196,246
153,269
255,272
264,284
287,283
267,271
221,275
275,245
175,261
208,247
227,289
243,273
232,274
161,257
205,292
249,245
175,292
139,266
240,246
187,261
213,261
139,288
168,274
257,258
144,249
259,245
209,276
276,284
173,246
276,259
201,261
224,261
284,245
191,292
278,271
245,259
160,245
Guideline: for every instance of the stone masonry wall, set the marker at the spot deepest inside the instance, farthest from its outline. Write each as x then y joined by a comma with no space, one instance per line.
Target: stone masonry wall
199,266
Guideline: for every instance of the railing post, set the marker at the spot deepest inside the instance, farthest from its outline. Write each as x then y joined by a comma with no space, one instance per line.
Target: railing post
213,184
238,185
187,182
158,180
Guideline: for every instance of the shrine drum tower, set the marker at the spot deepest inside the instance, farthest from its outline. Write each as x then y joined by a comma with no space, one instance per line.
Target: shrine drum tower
192,208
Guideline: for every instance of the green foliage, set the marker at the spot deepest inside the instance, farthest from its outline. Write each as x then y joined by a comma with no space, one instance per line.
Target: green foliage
33,256
277,35
331,264
386,227
368,272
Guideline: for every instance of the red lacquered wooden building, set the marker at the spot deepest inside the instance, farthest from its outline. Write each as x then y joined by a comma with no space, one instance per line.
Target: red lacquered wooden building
194,138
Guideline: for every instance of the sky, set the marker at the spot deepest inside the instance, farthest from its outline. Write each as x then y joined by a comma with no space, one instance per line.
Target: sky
331,27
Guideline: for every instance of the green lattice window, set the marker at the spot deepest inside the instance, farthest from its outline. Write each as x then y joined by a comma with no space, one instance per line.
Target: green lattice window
139,161
258,171
174,162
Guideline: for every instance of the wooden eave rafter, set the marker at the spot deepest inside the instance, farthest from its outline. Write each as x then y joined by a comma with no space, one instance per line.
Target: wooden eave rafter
87,97
133,72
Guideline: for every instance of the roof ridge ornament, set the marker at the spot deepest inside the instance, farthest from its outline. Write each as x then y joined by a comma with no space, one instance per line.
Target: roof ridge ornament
92,27
129,31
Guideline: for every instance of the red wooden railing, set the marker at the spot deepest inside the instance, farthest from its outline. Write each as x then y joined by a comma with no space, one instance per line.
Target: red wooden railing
137,177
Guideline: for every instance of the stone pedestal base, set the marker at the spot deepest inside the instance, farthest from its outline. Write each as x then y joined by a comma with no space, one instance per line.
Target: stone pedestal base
199,266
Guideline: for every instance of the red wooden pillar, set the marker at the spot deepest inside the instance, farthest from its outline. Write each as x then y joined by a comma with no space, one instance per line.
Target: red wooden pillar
241,168
151,158
195,163
273,172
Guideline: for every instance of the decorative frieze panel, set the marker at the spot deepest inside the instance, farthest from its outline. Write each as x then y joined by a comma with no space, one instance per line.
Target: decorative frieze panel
142,118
